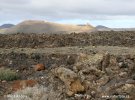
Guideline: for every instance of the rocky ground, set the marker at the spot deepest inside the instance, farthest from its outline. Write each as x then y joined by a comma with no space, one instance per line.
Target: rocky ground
82,68
101,38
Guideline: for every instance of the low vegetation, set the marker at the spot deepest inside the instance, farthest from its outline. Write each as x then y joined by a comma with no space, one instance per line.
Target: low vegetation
29,93
8,74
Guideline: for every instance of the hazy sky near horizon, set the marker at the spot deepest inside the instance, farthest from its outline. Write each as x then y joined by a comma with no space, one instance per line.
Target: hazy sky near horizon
111,13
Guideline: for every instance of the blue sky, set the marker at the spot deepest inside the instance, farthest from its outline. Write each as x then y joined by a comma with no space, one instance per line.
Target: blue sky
110,13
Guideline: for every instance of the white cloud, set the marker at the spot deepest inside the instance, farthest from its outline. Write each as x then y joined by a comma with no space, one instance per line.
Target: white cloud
66,9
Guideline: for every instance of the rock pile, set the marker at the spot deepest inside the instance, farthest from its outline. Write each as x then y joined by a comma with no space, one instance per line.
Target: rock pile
93,76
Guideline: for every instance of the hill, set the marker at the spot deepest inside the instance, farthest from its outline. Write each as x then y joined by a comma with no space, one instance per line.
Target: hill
102,28
35,26
6,26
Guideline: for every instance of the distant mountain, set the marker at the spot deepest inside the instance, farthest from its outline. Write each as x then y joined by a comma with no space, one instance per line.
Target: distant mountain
123,29
36,26
101,26
6,26
104,28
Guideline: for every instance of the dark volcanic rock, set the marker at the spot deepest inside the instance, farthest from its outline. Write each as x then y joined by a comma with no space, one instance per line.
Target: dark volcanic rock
104,38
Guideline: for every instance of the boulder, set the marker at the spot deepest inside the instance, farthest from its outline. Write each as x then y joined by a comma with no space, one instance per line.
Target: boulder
128,88
70,79
85,61
103,80
71,59
82,57
39,67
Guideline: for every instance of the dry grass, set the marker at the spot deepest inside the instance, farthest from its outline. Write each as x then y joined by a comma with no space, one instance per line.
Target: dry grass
33,93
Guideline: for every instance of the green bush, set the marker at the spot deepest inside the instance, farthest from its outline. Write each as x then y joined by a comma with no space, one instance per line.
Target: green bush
8,74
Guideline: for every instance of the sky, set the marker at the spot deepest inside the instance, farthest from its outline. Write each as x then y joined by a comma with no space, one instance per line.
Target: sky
111,13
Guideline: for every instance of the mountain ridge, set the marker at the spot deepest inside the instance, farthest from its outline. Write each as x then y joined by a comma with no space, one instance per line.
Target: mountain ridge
6,26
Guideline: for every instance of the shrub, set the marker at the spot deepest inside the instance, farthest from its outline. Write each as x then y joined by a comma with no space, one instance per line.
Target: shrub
8,74
34,93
